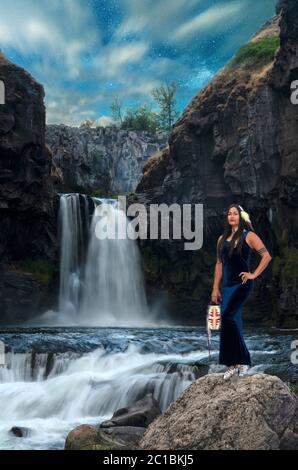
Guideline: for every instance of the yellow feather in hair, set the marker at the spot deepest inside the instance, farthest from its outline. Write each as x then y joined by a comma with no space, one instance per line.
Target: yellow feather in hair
245,216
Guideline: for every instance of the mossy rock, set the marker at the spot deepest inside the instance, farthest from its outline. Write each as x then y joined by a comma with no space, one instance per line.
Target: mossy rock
294,387
285,265
41,270
177,276
150,263
87,437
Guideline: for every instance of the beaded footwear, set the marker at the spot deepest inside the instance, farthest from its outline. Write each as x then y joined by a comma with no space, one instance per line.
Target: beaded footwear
230,372
242,370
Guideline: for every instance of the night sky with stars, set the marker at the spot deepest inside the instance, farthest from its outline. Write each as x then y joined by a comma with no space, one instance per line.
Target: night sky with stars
85,52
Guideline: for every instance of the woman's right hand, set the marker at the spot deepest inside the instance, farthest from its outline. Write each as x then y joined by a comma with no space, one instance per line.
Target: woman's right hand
216,296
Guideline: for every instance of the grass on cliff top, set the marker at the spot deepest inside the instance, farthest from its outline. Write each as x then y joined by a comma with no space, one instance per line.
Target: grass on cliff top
256,54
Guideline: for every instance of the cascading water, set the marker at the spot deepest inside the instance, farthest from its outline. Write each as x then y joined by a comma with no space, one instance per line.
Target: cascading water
114,286
85,376
56,379
102,285
72,220
62,378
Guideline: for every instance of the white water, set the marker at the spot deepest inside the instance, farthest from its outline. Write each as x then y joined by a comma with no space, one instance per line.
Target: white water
114,285
71,223
101,284
105,287
85,389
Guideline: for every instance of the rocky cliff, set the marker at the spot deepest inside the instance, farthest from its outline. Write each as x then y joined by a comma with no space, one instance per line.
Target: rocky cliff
27,202
237,141
101,159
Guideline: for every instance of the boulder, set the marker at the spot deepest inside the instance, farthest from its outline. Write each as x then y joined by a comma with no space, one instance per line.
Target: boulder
256,412
87,437
19,431
141,413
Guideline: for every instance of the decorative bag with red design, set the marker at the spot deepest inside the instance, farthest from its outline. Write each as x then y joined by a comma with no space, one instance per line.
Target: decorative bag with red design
213,321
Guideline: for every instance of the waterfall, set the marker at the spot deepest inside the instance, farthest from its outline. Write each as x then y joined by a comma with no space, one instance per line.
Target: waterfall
101,281
72,220
114,285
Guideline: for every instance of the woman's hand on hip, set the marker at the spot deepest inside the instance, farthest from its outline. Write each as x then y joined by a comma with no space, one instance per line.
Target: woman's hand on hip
245,276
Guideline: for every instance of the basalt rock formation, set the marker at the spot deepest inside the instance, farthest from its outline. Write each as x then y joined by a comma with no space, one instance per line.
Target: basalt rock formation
101,159
27,202
236,142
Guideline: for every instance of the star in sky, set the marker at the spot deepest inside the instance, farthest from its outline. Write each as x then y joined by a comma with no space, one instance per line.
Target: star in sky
86,52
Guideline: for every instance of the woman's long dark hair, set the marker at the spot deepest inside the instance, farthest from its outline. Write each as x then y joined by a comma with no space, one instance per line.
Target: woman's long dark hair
237,237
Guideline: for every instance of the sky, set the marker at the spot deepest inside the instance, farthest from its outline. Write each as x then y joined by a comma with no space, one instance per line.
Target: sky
85,52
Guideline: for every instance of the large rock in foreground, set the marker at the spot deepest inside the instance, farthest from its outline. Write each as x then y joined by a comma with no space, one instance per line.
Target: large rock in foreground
255,412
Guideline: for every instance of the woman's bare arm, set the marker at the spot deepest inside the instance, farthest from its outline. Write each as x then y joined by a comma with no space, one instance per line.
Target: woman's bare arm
256,243
217,278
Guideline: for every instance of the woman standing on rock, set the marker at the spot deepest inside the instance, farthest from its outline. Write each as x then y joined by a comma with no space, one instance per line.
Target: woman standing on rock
234,248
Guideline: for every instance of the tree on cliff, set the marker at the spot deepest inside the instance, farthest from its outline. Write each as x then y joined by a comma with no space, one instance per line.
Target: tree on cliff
165,96
87,123
116,109
140,119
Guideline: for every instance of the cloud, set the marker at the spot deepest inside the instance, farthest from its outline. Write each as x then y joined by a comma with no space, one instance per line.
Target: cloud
113,58
83,56
212,20
58,32
104,121
153,19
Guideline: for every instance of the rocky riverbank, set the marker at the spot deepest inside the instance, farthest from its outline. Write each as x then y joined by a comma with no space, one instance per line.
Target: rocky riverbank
257,412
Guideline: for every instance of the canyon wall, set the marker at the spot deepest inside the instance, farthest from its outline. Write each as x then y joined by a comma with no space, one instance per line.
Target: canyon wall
101,159
28,206
236,142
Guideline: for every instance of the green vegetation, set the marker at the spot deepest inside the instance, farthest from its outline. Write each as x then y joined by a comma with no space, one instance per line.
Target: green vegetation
142,118
285,272
41,270
99,192
294,387
87,123
286,265
257,53
165,96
